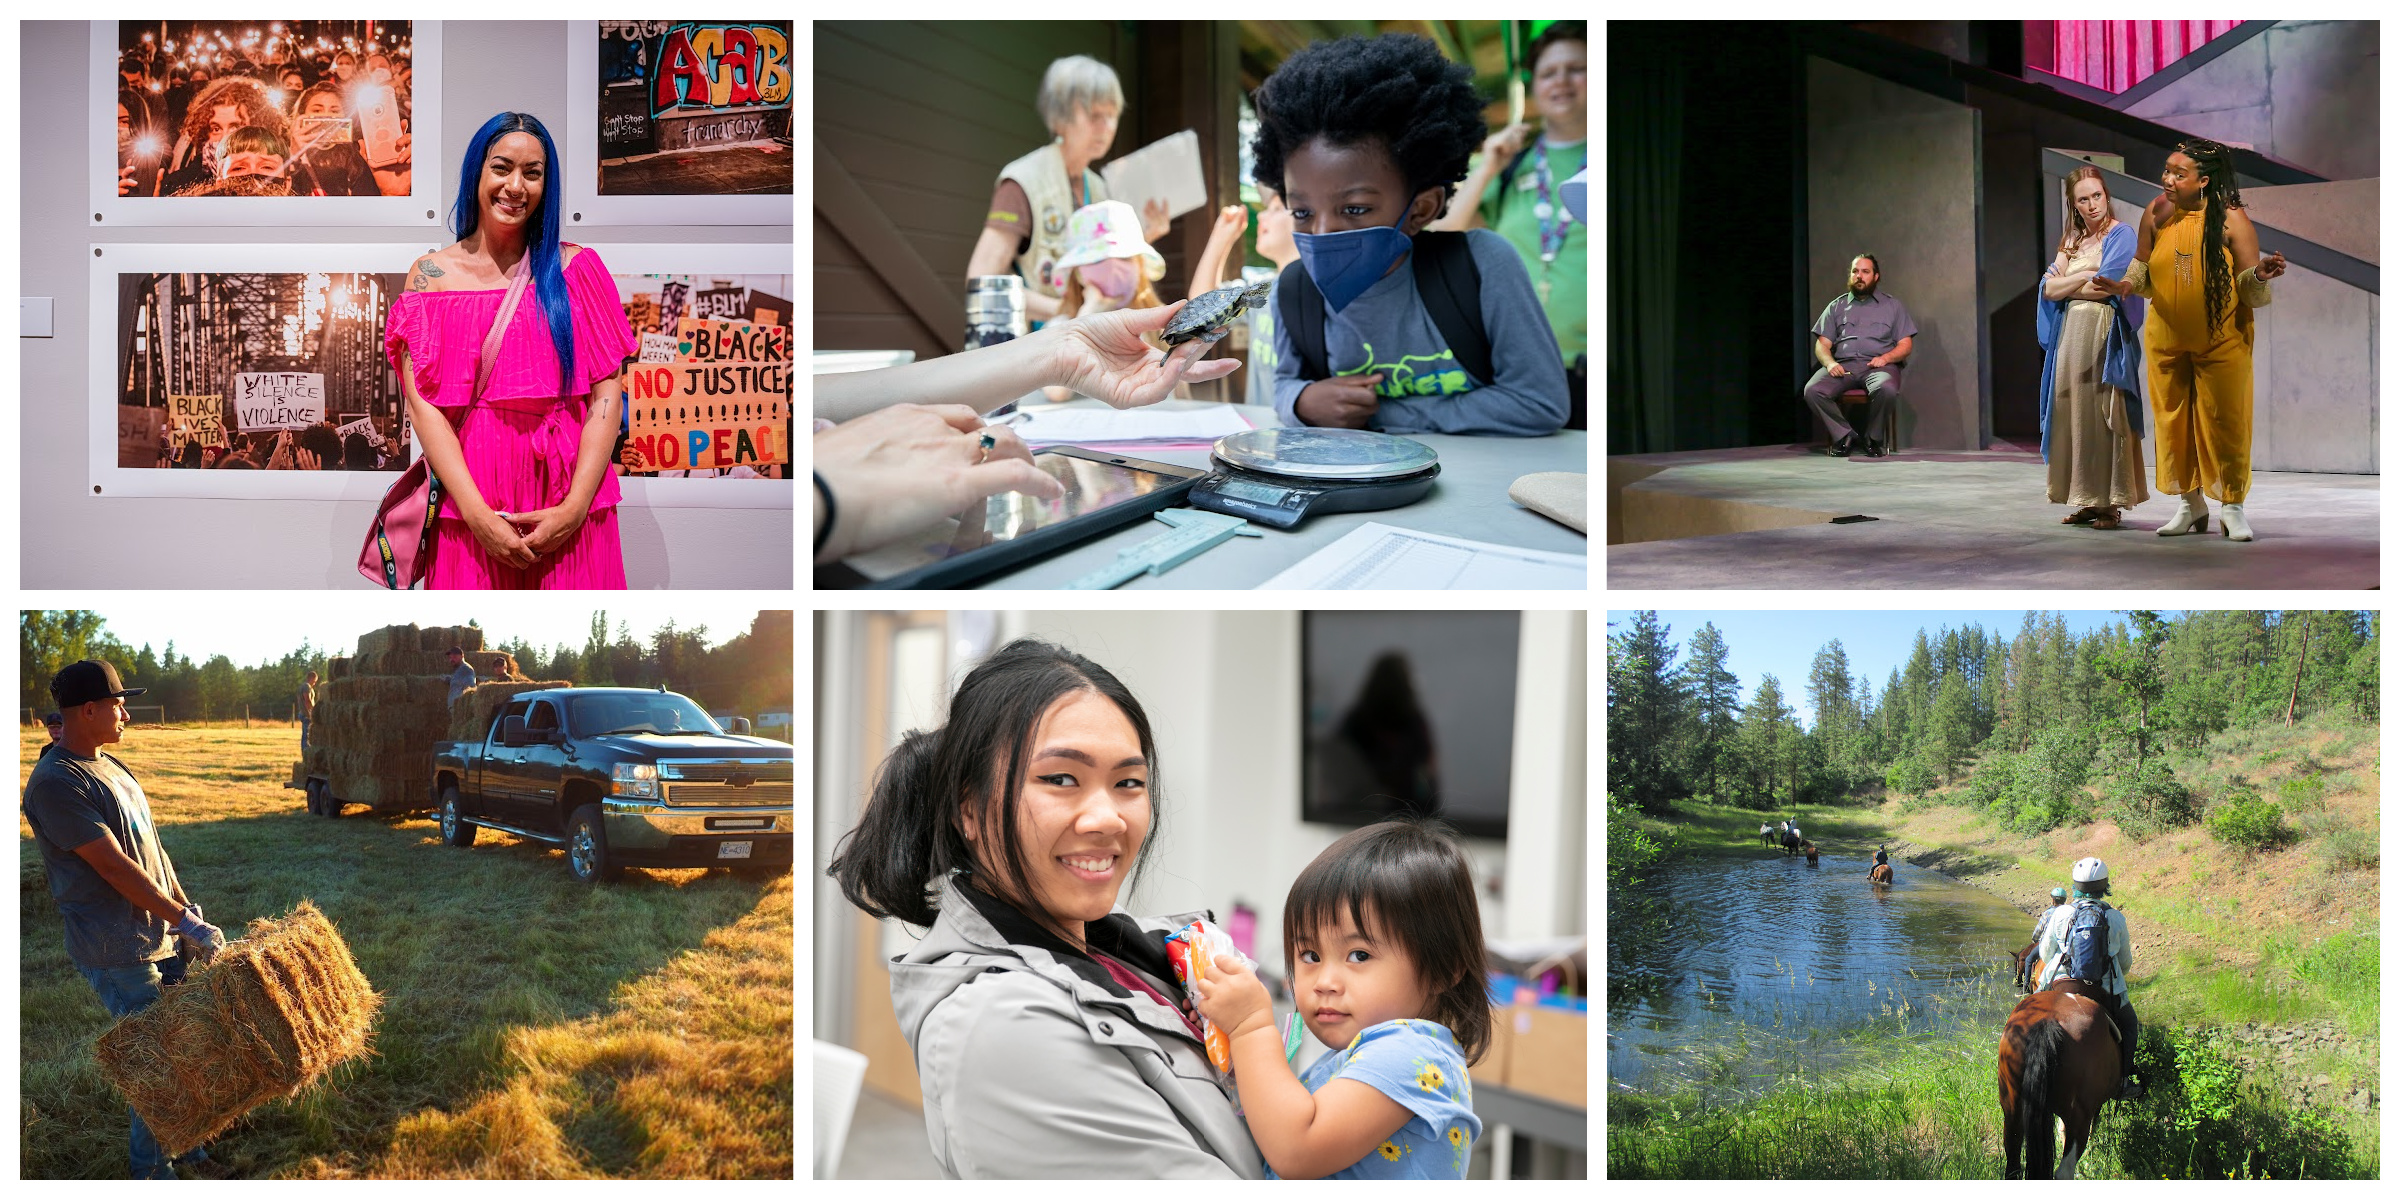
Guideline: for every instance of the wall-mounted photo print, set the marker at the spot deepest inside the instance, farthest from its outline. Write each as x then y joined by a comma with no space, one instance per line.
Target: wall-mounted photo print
689,122
711,395
320,120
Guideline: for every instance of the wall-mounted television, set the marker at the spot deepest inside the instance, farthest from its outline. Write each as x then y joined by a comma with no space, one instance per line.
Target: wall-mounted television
1408,712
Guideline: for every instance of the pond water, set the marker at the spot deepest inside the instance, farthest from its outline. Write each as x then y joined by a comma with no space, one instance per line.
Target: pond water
1729,974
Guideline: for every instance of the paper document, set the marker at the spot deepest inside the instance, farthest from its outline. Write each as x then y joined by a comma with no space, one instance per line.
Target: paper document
1380,556
1167,169
1079,425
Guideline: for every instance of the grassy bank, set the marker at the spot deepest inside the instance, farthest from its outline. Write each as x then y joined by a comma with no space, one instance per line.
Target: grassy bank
2257,976
531,1027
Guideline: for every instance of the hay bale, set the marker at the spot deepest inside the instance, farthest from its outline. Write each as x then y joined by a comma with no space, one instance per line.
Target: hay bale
336,667
390,637
438,639
493,664
471,716
268,1018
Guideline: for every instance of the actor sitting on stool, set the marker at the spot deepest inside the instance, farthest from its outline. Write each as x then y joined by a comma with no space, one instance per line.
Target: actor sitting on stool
1862,338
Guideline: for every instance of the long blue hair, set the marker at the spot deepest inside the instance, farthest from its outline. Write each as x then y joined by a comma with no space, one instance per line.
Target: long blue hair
549,275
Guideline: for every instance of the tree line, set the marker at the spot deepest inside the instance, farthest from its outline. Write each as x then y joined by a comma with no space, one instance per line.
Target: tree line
2035,716
749,674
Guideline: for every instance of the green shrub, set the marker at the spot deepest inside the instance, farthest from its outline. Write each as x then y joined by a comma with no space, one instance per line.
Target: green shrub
2149,800
1910,776
1991,778
2349,849
2248,822
2045,790
2202,1120
2303,793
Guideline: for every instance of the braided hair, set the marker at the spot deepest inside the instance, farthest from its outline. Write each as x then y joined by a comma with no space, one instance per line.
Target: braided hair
2215,164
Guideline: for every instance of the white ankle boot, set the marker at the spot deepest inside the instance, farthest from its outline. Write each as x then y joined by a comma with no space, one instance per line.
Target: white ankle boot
2236,526
2191,517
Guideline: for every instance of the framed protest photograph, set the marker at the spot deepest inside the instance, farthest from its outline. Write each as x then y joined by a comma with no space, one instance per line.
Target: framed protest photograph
708,402
246,371
266,123
686,123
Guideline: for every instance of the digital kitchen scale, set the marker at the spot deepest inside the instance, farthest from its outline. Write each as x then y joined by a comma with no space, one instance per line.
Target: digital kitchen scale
1281,477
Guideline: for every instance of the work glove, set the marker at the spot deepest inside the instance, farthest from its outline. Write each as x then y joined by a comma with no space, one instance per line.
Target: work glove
204,939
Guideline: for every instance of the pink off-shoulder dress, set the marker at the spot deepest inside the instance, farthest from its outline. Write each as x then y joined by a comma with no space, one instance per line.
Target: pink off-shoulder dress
519,439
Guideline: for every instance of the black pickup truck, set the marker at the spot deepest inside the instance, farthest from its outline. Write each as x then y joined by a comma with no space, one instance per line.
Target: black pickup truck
620,777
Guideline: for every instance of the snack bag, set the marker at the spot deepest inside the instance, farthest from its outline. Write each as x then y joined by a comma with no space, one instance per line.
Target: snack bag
1192,949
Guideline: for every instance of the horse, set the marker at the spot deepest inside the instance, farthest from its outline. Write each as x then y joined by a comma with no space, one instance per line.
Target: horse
1809,849
1880,875
2058,1059
1766,833
2029,968
1791,840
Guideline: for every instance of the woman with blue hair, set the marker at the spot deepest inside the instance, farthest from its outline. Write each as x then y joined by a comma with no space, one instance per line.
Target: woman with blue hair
521,448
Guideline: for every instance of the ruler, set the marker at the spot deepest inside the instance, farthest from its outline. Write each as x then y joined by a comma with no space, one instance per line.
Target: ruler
1193,532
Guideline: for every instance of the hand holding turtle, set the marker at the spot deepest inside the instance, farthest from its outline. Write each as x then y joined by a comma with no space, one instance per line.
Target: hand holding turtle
1104,356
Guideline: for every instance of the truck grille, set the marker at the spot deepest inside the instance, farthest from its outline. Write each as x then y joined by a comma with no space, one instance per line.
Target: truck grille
722,795
719,772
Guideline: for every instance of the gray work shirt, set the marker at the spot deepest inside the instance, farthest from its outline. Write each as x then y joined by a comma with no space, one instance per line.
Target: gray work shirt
460,680
72,801
1862,329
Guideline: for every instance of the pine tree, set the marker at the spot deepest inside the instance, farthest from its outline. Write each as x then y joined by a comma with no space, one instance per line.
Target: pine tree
1715,697
1645,710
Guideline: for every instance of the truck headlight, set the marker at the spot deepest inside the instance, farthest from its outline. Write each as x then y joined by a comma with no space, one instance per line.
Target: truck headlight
635,779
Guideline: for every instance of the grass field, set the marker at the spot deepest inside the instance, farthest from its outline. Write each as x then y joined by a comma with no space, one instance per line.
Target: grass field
531,1028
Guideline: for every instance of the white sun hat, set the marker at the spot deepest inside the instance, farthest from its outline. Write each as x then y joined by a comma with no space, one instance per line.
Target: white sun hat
1108,229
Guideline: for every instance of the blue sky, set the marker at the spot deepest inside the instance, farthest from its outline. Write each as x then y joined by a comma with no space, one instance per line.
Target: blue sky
1782,643
254,630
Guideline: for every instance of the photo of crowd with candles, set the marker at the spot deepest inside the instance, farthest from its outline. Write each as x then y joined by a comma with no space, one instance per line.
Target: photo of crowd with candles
264,108
257,371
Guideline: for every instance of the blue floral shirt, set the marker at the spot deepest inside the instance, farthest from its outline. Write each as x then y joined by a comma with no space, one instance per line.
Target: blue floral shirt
1419,1065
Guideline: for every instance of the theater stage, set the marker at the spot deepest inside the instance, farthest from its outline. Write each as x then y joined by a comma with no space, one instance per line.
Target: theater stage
1762,517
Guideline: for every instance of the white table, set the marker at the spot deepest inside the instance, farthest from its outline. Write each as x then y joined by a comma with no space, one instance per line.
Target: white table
1469,500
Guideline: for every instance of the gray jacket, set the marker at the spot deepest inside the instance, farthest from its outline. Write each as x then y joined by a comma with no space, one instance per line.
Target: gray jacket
1035,1064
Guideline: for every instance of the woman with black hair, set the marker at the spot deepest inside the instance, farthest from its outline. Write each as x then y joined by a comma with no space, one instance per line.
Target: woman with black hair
1365,139
2198,263
1046,1042
521,447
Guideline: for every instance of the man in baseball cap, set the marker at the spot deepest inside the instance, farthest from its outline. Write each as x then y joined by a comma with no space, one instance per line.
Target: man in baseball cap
125,910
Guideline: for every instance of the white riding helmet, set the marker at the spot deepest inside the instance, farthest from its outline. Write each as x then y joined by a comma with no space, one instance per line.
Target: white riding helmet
2089,869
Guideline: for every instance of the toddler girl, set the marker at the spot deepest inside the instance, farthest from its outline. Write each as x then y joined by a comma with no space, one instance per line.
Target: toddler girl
1384,944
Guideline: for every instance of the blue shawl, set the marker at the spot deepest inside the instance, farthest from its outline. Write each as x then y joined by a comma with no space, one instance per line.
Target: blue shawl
2121,361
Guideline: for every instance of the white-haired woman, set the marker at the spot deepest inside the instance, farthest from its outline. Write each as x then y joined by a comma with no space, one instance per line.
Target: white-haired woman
1026,228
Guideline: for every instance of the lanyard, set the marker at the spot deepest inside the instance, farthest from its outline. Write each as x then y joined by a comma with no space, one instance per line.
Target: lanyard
1554,219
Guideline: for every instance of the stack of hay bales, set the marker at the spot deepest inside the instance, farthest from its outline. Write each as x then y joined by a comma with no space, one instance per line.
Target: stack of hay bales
270,1016
380,712
471,717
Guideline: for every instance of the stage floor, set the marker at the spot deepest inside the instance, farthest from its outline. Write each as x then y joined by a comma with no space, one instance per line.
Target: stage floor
1761,518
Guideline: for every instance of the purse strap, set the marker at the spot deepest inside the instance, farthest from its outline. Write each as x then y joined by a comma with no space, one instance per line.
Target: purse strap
508,310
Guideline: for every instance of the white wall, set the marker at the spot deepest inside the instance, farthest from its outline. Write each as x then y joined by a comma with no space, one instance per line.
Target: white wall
193,543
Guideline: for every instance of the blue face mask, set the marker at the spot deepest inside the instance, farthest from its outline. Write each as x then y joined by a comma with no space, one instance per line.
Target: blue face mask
1344,265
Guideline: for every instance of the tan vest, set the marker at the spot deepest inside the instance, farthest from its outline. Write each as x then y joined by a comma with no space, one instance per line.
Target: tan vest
1043,175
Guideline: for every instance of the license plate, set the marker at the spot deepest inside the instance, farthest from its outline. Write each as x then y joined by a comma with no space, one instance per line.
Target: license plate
733,849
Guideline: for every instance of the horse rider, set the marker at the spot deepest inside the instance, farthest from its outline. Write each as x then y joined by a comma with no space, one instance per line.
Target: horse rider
1881,872
2025,957
2092,944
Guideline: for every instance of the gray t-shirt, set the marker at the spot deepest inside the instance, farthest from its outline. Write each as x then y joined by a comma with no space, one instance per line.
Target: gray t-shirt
460,680
70,800
1387,331
1259,388
1863,329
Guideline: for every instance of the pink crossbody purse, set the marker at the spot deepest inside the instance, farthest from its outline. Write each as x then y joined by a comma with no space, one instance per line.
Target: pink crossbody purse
399,549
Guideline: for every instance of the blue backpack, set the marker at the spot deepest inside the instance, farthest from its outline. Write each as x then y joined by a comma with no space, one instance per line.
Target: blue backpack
2086,950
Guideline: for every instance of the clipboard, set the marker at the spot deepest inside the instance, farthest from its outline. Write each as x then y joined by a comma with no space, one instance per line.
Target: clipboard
1167,169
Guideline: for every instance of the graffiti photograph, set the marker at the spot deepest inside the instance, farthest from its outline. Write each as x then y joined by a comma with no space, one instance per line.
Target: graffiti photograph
259,372
711,394
695,108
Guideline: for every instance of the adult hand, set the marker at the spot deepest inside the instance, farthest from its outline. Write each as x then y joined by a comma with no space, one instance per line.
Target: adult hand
1342,402
1104,356
1155,220
500,540
2270,266
281,459
205,940
1836,370
125,180
548,531
1233,999
2114,287
1502,146
306,460
899,469
1878,362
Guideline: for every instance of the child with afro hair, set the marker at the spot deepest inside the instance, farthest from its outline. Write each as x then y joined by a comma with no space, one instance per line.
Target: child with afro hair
1367,134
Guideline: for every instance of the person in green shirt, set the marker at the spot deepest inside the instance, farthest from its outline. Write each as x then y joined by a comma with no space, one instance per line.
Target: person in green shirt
1518,178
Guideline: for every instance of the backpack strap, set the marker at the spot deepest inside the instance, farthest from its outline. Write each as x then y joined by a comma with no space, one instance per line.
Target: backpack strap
1451,288
1301,309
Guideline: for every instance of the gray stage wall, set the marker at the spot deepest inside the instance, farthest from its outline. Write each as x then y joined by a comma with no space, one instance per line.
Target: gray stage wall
1896,172
2305,92
71,538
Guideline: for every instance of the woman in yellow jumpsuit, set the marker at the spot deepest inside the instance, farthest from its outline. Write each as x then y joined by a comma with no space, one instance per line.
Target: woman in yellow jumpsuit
2198,264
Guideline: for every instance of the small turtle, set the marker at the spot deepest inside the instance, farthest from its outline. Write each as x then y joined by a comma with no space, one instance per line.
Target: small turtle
1205,318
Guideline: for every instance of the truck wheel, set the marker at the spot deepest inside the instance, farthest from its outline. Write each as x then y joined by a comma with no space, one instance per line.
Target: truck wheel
315,791
587,847
456,830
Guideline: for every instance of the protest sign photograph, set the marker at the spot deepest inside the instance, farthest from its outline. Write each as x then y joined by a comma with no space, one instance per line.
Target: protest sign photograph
689,118
711,393
275,371
320,120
